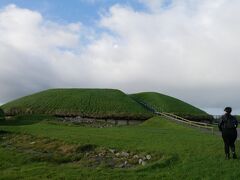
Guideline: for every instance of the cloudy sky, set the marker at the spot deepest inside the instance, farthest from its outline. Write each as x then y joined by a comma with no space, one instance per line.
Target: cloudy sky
189,49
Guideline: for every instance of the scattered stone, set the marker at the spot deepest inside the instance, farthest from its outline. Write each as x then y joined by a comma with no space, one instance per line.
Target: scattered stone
136,156
125,154
88,154
121,165
112,150
144,163
83,121
148,157
101,154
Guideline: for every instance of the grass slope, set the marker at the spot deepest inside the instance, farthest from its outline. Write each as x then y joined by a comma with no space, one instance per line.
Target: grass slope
164,103
1,114
188,153
238,117
95,103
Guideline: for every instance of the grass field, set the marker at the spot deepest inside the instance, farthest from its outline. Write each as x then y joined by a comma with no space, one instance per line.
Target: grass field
185,153
95,103
1,114
238,117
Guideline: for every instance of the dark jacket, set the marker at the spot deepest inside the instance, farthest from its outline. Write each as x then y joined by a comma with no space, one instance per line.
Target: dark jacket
227,122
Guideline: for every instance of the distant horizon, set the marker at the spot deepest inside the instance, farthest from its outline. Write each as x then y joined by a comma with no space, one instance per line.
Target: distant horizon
211,111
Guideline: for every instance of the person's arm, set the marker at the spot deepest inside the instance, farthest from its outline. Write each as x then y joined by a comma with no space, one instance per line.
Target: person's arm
220,124
235,122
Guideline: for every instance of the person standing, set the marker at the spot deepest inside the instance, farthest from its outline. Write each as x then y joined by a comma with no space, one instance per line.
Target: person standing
228,126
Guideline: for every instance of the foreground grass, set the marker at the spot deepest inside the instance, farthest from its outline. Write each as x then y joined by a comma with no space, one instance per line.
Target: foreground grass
188,153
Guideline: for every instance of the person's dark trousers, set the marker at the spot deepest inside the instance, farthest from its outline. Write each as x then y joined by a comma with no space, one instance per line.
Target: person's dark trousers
229,137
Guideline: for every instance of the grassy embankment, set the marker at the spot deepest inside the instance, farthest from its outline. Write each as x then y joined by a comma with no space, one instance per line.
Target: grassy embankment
238,118
1,114
186,153
94,103
164,103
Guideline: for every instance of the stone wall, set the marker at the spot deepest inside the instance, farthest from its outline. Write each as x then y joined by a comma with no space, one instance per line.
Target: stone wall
79,119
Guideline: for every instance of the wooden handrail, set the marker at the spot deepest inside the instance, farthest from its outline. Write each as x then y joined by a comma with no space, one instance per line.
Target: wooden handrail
201,123
186,121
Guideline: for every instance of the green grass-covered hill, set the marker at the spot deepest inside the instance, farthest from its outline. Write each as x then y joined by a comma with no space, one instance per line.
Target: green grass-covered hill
94,103
164,103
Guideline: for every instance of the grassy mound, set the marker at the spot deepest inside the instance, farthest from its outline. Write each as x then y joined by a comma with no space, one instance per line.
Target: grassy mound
93,103
164,103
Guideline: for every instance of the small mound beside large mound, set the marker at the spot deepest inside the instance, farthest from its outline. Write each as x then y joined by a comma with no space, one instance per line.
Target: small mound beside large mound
164,103
93,103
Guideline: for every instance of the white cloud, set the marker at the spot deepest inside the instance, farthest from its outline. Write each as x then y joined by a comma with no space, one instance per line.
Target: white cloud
188,50
183,51
30,53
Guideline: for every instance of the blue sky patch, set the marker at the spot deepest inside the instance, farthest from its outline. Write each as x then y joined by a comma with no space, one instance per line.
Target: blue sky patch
64,11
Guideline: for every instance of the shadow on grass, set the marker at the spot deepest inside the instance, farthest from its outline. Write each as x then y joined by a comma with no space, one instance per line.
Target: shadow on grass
24,120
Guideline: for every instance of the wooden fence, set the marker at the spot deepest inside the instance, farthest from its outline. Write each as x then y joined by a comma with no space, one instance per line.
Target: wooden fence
186,121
